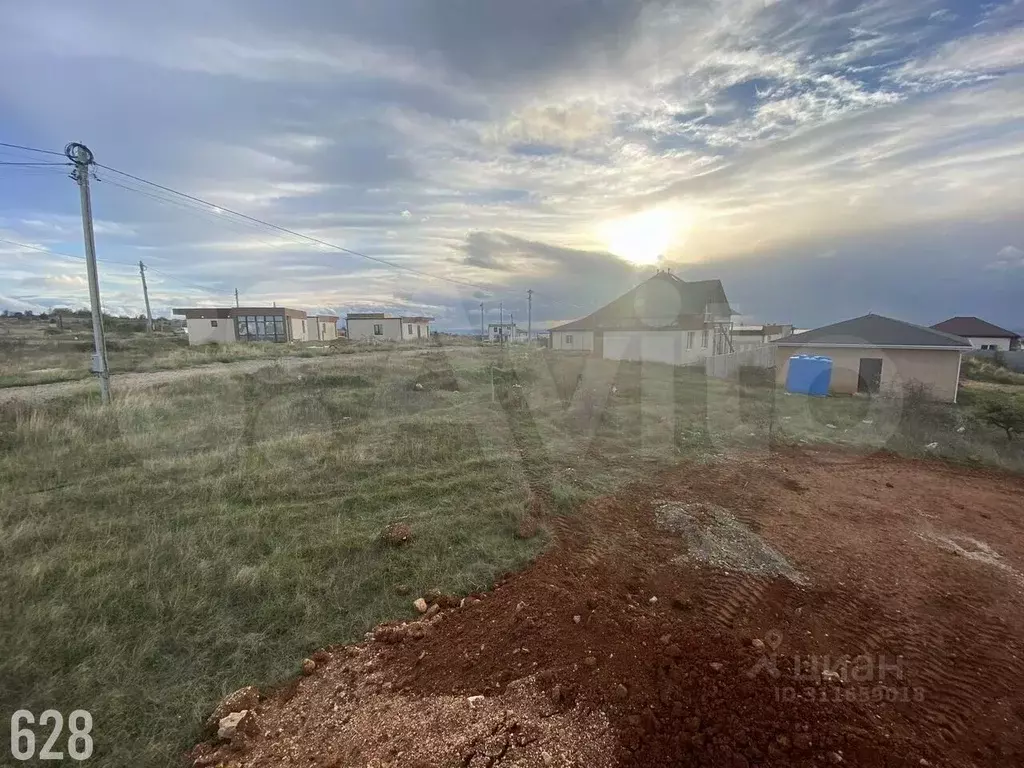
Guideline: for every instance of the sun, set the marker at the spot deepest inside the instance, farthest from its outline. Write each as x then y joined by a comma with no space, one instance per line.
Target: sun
643,238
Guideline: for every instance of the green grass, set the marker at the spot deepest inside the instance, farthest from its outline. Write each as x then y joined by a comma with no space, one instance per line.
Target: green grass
984,369
38,353
208,533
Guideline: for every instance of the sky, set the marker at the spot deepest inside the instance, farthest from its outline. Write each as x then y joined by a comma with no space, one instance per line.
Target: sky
822,159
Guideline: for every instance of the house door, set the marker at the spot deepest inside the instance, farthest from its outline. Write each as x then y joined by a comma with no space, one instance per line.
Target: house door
869,377
598,343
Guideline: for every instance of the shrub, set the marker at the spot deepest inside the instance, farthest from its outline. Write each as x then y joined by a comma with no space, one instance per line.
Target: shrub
1003,410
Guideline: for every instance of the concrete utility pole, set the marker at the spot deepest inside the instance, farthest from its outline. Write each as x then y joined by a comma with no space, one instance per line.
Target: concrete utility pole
501,322
529,316
482,336
236,297
145,294
82,157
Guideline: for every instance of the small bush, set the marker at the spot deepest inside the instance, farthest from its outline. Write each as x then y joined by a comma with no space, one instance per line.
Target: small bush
1002,410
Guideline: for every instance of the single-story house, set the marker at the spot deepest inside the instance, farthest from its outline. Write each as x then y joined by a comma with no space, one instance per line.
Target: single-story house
981,334
226,325
383,327
323,327
497,332
665,319
879,354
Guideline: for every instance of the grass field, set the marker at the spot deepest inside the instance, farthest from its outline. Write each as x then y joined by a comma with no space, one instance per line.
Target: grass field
208,533
39,353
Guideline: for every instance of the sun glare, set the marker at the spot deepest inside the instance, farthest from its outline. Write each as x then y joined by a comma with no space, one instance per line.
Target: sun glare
643,238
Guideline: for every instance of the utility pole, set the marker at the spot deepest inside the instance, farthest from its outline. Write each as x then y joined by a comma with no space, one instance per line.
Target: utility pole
512,327
145,294
501,322
236,297
482,336
82,157
529,316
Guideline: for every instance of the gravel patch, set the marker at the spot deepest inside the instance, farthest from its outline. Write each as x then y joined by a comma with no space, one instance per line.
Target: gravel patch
715,537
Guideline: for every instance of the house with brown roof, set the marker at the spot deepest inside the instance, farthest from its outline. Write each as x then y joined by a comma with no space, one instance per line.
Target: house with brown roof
664,319
981,334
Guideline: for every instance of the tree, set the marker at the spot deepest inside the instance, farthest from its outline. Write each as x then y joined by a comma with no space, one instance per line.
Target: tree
1003,410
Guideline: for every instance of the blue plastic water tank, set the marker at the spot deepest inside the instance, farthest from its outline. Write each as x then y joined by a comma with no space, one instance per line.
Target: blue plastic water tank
809,375
822,377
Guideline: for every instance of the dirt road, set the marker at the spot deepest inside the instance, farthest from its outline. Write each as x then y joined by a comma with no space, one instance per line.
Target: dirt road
819,609
120,382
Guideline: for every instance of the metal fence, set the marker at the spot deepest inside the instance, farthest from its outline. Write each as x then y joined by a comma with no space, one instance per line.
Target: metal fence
728,366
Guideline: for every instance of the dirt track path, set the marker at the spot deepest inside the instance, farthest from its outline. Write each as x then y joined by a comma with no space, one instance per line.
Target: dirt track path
120,382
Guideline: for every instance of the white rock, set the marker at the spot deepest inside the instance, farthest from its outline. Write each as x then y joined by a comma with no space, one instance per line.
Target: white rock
420,605
228,725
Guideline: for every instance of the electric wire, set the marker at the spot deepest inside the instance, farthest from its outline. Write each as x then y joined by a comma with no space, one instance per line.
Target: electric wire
220,208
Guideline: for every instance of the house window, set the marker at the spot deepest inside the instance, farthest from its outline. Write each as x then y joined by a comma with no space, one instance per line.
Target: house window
689,339
261,328
378,329
704,339
568,338
213,323
410,329
303,327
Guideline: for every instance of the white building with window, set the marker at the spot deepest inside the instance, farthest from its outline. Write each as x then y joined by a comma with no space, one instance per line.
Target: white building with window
980,333
379,326
664,319
226,325
506,332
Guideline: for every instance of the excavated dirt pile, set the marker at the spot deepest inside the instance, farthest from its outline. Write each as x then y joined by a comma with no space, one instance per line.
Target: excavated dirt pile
797,611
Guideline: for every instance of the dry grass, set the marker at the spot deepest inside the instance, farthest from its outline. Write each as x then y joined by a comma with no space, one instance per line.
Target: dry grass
205,534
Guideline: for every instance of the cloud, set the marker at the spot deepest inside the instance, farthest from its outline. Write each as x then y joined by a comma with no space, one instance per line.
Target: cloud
1008,257
490,143
973,57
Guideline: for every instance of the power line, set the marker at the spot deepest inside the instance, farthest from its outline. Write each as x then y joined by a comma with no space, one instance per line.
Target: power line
187,206
206,288
31,149
4,162
59,253
292,232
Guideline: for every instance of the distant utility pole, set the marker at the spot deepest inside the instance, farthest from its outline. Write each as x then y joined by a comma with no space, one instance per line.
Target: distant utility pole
529,316
512,326
236,297
82,157
482,336
501,322
145,294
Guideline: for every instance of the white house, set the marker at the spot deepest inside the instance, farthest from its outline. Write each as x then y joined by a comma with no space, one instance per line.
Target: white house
383,327
226,325
665,319
498,332
981,334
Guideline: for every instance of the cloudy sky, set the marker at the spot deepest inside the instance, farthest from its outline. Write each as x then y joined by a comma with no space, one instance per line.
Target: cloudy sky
824,159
